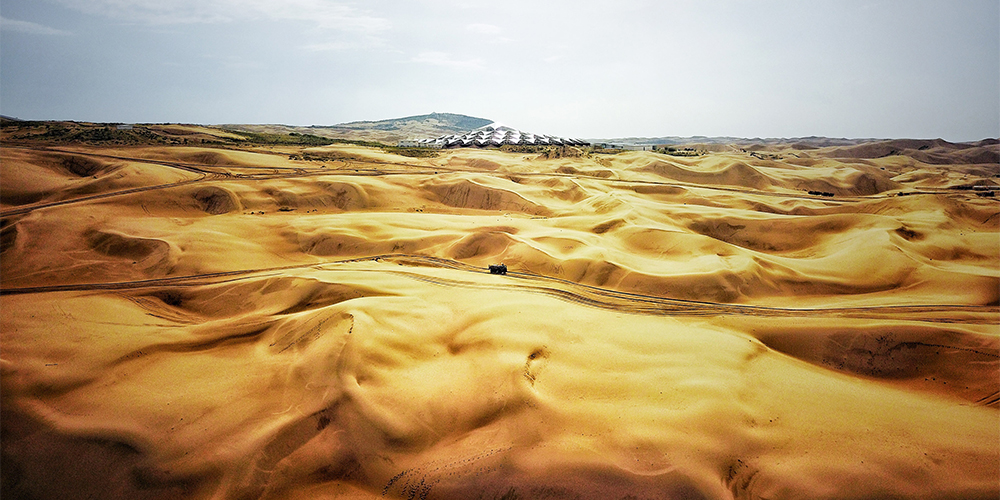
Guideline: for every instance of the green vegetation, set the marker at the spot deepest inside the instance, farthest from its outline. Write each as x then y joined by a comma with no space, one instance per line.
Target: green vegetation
605,151
90,133
325,156
523,148
292,139
674,151
111,134
295,139
136,135
7,122
461,122
412,152
80,132
543,150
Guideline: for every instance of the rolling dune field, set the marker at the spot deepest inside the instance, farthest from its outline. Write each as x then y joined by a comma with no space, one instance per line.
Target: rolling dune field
319,322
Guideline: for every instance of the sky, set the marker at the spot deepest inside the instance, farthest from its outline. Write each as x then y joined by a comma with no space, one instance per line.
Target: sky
578,68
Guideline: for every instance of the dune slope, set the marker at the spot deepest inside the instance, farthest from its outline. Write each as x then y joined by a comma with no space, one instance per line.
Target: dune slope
184,322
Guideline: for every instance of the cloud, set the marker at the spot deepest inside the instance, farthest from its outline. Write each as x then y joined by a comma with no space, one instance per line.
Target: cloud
490,31
345,43
233,62
444,59
484,29
322,13
331,46
29,27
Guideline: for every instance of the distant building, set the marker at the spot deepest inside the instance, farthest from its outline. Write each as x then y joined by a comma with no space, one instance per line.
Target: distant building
626,147
496,135
414,143
124,126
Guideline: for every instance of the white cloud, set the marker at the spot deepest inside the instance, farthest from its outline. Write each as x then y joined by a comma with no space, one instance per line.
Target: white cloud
444,59
322,13
28,27
234,62
484,29
489,32
331,46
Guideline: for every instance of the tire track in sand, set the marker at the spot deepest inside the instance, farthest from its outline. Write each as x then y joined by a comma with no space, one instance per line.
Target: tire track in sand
588,295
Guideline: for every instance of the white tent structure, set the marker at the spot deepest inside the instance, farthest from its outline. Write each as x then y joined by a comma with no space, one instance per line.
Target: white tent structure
496,135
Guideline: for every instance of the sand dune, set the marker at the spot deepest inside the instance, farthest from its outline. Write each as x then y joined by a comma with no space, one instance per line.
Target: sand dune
935,151
186,322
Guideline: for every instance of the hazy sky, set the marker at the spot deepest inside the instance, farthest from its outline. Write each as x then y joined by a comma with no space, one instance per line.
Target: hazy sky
582,68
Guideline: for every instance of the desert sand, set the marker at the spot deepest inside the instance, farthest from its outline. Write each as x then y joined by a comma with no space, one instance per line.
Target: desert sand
319,322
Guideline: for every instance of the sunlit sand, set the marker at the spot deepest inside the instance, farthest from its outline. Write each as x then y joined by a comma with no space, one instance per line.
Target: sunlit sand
197,322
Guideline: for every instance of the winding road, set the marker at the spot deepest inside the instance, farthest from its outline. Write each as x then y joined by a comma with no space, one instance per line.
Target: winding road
420,268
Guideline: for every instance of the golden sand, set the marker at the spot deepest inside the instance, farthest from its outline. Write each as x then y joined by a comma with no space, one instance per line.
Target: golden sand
187,322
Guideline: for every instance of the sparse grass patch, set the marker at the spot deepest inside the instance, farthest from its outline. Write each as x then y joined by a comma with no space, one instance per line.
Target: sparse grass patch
674,151
543,150
294,139
325,156
412,152
605,151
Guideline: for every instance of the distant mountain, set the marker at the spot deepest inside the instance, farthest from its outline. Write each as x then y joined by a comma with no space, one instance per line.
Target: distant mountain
447,122
811,141
388,131
931,151
935,151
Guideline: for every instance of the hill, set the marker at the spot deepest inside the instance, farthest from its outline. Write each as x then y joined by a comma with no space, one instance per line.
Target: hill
937,151
391,131
811,141
388,131
448,122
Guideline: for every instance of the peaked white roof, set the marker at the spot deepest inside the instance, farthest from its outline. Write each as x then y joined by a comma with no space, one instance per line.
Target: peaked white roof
497,134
